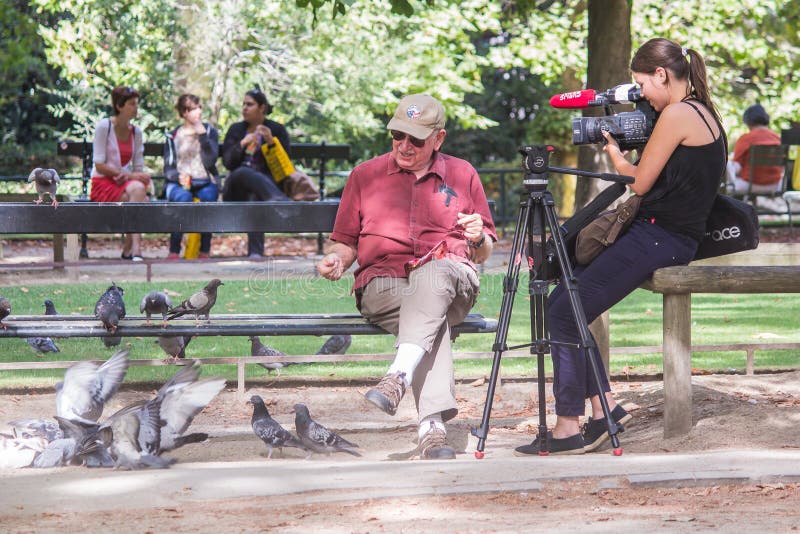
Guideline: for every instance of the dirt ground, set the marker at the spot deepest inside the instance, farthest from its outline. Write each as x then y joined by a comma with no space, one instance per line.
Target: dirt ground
731,412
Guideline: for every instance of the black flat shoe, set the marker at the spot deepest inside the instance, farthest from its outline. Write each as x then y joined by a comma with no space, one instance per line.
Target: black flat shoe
571,445
128,257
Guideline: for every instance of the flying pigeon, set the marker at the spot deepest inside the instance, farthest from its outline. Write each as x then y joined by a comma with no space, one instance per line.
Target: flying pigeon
46,181
269,430
259,349
199,304
82,443
337,344
174,346
156,302
5,310
87,387
110,307
179,407
128,427
316,437
41,345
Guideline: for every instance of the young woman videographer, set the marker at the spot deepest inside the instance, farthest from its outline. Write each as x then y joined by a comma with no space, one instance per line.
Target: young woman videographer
677,176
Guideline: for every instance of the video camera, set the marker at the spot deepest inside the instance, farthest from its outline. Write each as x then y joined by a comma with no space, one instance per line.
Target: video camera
631,129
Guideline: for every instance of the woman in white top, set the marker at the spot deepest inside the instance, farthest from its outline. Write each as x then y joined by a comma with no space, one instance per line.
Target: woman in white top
118,174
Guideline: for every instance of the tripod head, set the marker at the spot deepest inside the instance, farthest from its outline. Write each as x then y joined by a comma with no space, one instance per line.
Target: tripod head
536,162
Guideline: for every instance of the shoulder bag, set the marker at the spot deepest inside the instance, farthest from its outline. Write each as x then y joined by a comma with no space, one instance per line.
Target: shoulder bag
605,229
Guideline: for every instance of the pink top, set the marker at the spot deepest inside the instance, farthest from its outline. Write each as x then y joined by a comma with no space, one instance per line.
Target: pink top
392,217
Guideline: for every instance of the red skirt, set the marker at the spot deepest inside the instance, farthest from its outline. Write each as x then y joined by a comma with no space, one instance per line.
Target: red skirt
105,189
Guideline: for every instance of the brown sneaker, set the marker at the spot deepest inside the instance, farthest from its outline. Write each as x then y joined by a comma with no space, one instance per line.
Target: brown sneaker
433,445
388,393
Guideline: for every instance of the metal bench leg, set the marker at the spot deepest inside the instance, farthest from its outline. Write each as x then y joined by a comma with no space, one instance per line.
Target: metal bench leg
677,365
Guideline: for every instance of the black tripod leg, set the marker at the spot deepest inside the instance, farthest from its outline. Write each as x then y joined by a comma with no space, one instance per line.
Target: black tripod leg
510,283
538,290
588,344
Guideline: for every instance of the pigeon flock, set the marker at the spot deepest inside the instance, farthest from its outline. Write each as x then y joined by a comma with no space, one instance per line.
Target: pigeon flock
137,435
134,437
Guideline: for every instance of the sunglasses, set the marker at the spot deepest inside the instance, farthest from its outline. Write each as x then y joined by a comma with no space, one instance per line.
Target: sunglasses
399,136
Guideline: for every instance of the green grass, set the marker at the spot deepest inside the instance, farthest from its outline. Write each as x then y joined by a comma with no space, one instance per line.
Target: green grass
636,321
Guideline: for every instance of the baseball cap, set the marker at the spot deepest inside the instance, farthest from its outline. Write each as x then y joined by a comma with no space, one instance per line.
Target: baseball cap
418,116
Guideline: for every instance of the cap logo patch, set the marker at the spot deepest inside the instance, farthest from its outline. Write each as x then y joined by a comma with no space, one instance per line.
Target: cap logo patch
413,112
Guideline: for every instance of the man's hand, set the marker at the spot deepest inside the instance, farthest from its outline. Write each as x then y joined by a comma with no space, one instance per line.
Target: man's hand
331,267
472,224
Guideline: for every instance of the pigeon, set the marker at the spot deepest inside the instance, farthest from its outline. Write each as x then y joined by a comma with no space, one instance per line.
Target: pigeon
5,310
46,429
269,430
46,182
111,341
179,407
16,452
259,349
82,443
199,304
337,344
316,437
174,346
156,302
87,387
49,308
42,345
110,307
142,431
126,428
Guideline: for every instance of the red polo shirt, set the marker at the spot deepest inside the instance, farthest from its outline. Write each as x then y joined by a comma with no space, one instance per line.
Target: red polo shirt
391,217
765,175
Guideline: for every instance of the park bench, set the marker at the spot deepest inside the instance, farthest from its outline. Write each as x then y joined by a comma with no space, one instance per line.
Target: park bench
677,284
165,217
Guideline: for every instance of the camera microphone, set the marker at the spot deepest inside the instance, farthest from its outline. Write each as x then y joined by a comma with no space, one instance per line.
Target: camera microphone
627,93
574,99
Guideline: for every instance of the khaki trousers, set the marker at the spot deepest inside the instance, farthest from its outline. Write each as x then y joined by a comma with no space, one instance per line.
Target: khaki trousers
421,310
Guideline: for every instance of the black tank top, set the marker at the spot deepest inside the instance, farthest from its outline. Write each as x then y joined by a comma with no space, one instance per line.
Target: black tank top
681,198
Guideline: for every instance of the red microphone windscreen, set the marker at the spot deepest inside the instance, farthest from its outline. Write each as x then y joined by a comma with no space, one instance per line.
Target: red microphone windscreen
573,100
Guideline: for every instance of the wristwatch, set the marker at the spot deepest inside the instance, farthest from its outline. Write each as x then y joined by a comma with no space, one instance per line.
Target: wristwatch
478,243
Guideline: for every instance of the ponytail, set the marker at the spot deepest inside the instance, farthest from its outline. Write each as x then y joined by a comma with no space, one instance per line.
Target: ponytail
699,82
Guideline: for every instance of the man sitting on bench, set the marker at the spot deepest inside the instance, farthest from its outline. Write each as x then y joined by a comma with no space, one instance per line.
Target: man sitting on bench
417,221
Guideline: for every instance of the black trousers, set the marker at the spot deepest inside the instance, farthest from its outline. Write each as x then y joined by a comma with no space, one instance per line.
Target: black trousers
244,184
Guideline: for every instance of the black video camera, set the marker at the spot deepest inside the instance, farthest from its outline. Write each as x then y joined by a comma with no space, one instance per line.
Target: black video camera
631,129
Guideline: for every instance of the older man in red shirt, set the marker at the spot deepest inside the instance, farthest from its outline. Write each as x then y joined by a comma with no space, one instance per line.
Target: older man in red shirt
417,221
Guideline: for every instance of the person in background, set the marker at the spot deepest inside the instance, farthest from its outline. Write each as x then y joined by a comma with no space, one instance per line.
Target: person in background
118,174
417,221
765,179
250,177
190,170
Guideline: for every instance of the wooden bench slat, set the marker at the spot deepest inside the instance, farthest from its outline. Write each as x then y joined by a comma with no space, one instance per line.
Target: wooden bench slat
725,279
298,326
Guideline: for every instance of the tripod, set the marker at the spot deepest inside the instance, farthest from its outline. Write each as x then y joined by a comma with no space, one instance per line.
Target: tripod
536,214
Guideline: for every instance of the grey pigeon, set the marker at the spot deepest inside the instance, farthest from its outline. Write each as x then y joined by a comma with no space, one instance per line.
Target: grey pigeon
155,302
110,307
127,427
199,304
174,346
179,408
46,429
269,430
87,387
5,310
259,349
111,341
316,437
141,432
82,444
337,344
42,345
46,182
16,452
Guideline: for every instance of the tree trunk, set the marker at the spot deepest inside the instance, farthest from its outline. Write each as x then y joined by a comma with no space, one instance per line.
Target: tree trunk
609,53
